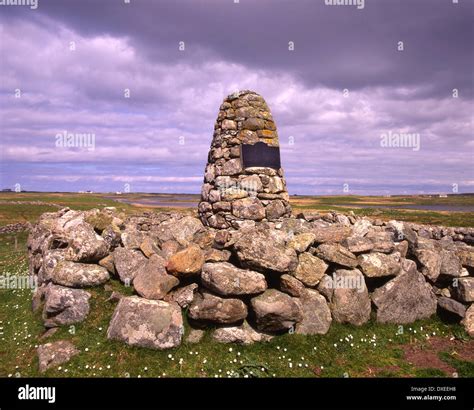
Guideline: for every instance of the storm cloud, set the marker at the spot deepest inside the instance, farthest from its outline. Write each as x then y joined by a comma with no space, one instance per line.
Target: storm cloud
337,78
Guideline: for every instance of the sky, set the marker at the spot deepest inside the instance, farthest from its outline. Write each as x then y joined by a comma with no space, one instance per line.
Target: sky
141,83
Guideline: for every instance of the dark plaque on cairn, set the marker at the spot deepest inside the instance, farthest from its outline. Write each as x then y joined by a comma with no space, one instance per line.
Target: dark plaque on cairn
260,155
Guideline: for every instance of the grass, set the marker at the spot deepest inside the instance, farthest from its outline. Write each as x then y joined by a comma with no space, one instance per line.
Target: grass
377,350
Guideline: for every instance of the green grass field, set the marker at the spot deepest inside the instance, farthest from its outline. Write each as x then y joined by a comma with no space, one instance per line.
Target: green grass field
426,348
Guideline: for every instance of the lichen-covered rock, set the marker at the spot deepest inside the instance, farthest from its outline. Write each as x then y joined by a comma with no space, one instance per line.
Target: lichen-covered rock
430,261
289,284
216,255
54,354
404,299
310,269
182,296
127,262
187,262
65,306
275,311
301,242
336,253
148,247
243,334
331,234
361,227
377,264
465,289
147,323
152,281
248,208
180,230
358,244
78,275
228,280
265,250
212,308
450,263
316,318
350,302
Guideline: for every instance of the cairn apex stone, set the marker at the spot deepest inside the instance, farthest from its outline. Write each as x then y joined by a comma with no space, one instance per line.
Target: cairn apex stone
245,142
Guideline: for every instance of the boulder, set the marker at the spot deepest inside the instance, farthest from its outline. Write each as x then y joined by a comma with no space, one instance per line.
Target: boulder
187,262
248,208
182,296
450,263
404,299
310,269
275,311
275,210
228,280
85,245
336,253
212,308
326,287
289,284
331,234
430,260
452,306
358,244
146,323
54,354
78,275
148,247
65,306
265,250
243,334
152,281
301,242
377,264
316,314
350,302
360,228
465,289
180,230
127,262
216,255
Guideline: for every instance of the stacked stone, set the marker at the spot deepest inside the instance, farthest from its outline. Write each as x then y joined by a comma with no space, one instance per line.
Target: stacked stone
231,193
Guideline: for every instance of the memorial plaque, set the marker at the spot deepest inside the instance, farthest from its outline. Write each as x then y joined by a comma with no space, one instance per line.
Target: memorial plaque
260,155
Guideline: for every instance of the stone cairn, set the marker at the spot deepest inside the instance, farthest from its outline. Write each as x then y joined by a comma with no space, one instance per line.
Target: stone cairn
232,192
250,281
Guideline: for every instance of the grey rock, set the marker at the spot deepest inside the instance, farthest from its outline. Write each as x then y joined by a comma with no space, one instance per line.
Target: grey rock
310,269
452,306
465,289
54,354
375,265
146,323
275,311
468,321
209,307
316,314
248,208
228,280
127,262
265,250
74,274
183,296
430,261
350,302
65,306
336,253
404,299
243,334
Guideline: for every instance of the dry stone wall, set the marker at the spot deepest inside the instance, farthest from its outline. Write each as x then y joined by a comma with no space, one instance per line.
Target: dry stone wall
253,283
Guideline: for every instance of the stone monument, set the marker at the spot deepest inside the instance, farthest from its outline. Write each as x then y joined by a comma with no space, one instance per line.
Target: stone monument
243,178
